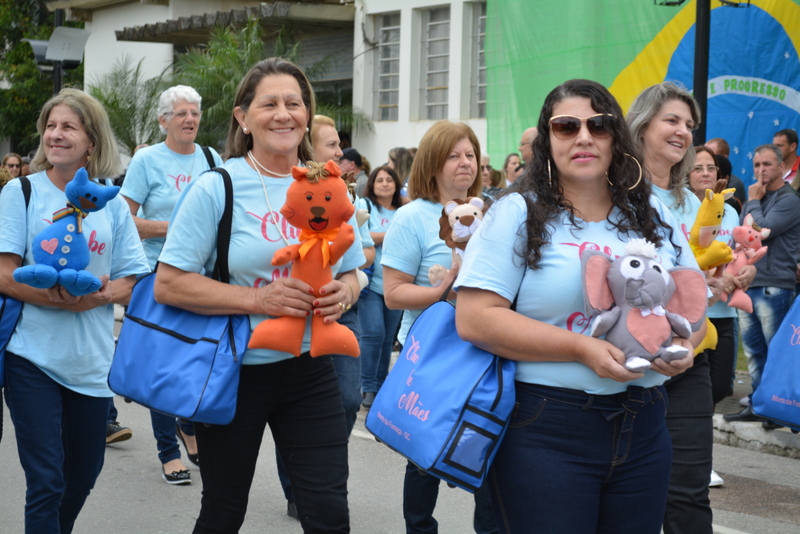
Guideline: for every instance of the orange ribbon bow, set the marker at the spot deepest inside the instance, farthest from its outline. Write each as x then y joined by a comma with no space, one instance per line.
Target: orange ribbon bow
310,238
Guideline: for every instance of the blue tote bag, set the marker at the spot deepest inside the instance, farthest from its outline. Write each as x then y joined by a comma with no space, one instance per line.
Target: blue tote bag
778,396
446,404
178,362
10,308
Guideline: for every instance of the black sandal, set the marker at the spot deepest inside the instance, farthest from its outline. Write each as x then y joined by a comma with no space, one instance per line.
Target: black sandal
176,477
194,458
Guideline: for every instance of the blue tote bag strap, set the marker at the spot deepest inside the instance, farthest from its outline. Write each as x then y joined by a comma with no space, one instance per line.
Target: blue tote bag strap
225,226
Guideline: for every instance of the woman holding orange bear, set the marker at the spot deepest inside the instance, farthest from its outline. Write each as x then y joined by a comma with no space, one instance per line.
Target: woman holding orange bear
298,397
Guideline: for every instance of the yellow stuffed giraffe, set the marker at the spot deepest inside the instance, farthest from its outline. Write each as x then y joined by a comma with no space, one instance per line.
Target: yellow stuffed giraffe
710,253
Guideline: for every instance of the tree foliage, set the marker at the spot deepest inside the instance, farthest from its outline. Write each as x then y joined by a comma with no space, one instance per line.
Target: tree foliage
131,102
216,69
23,88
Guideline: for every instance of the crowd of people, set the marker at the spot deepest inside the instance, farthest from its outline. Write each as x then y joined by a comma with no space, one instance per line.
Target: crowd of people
637,443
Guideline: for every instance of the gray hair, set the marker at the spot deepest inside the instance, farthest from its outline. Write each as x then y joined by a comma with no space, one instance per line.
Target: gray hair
642,111
166,102
773,148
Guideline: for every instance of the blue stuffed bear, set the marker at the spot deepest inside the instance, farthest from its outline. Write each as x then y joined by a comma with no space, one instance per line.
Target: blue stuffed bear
60,250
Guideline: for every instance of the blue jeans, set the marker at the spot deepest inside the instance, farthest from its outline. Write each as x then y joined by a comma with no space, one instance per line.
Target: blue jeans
165,432
770,305
300,401
420,493
378,328
691,428
61,442
573,462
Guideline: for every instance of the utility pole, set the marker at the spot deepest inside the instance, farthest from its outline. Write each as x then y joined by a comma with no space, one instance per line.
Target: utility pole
57,70
701,47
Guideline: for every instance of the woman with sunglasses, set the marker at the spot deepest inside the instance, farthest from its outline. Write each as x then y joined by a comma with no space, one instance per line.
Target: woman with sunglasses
661,120
13,162
587,449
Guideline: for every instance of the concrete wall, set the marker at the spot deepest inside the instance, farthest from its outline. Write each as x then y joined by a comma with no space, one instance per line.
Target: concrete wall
103,49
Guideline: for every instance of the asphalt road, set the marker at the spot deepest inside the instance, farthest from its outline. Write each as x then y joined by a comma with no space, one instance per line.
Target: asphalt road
761,493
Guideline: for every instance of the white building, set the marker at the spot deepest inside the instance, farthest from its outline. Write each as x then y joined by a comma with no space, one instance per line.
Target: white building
409,62
415,62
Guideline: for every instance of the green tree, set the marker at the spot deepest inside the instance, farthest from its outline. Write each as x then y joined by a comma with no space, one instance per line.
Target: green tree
216,69
24,87
131,103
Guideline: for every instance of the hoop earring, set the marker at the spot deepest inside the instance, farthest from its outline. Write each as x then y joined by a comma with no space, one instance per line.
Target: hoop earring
549,178
631,188
609,180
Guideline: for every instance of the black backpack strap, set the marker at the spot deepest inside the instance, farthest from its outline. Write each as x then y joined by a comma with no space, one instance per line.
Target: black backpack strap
26,190
209,157
224,231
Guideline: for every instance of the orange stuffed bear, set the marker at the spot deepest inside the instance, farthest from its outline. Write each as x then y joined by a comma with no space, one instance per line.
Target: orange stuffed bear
317,202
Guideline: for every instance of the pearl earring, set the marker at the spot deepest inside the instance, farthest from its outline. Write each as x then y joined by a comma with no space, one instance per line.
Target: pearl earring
244,129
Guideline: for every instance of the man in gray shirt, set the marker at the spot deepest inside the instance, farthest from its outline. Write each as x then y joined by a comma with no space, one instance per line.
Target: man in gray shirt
773,204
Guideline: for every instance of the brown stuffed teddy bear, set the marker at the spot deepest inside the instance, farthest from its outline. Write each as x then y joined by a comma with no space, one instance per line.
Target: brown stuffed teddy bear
317,202
460,219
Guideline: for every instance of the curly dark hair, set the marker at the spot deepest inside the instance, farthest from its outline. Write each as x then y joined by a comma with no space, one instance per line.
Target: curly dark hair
544,194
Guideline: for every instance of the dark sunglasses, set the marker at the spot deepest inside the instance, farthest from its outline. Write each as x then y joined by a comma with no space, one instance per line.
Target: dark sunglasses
13,165
567,126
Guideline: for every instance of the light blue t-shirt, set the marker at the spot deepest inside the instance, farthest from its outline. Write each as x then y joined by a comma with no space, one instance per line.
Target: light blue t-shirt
685,214
74,349
155,178
553,293
412,246
255,237
379,219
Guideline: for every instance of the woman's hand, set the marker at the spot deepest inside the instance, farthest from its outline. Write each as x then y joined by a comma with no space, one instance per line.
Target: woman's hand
336,297
285,296
606,360
61,298
716,285
675,367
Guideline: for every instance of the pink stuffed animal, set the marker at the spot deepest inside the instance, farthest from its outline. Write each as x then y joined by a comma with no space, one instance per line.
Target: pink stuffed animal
748,251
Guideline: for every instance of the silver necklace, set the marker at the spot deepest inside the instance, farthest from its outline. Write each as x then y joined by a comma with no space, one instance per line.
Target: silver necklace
180,166
266,170
256,166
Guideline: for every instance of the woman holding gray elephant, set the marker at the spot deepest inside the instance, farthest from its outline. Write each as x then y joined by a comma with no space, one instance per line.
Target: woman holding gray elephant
587,449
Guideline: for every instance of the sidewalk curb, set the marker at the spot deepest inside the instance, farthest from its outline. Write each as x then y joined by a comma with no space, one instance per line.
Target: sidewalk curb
751,436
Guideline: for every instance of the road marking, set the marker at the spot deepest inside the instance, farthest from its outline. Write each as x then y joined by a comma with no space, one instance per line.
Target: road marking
718,529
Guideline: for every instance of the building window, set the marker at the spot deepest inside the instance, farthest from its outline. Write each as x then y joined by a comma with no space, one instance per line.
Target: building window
435,63
478,85
388,66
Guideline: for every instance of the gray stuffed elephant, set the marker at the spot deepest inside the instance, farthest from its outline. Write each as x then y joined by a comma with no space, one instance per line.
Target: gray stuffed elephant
639,303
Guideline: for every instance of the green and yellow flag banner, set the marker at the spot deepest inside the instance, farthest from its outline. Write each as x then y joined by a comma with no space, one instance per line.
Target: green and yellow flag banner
627,45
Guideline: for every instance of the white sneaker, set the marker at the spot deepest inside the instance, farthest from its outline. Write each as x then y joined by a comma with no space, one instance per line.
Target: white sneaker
744,401
716,480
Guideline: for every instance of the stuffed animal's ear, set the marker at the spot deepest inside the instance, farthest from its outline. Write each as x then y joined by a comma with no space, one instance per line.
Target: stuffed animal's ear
477,202
748,220
691,295
333,169
596,291
728,193
299,173
765,232
449,207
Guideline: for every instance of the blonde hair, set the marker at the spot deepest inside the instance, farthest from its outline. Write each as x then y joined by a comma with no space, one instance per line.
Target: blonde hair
435,146
104,161
318,122
644,109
